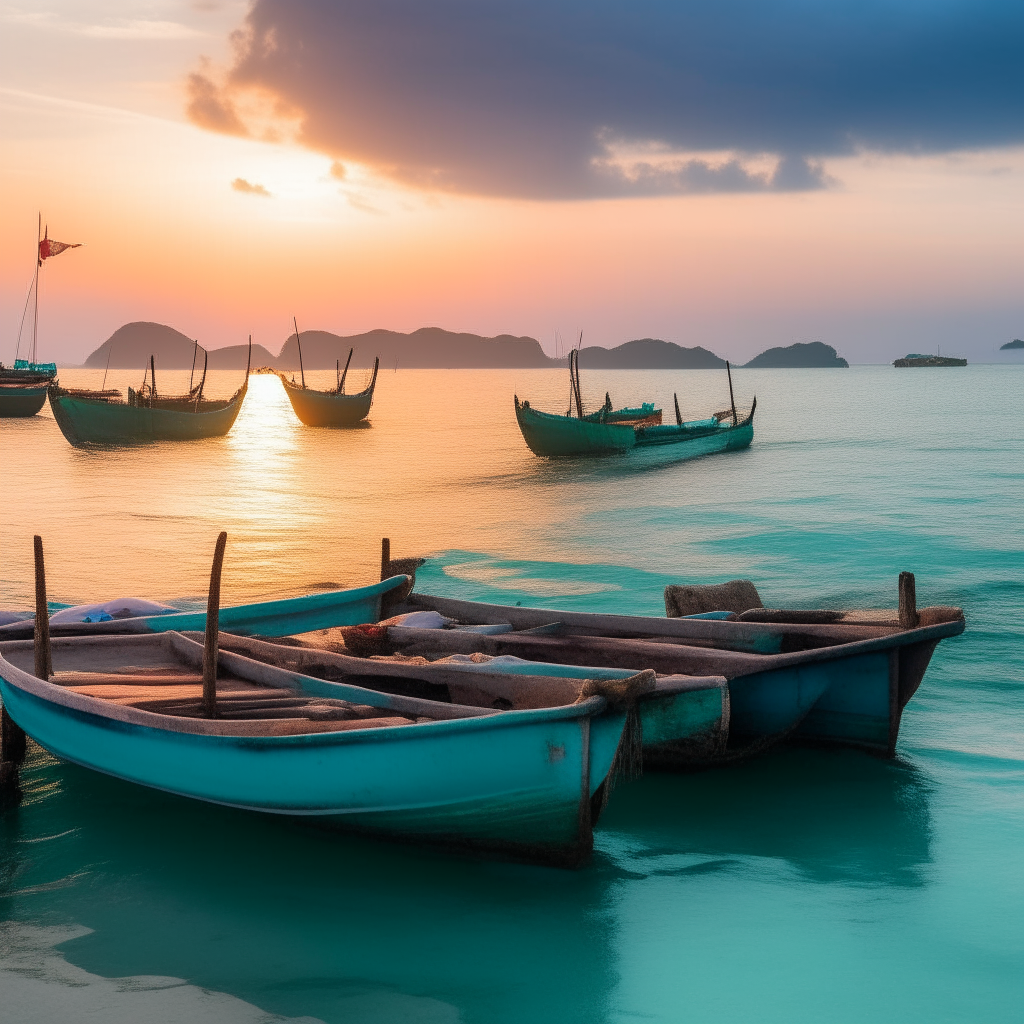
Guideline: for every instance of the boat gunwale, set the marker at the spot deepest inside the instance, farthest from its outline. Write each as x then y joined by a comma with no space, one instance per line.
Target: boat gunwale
365,393
97,707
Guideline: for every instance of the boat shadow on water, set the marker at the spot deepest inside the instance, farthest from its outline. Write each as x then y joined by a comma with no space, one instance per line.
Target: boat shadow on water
835,816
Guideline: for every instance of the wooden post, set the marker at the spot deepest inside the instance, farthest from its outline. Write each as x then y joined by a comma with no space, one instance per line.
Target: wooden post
210,651
44,663
732,401
908,601
385,558
679,415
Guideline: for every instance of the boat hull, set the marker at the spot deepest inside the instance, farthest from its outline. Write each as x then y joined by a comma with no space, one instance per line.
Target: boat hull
327,409
88,421
554,436
267,618
21,401
519,783
847,688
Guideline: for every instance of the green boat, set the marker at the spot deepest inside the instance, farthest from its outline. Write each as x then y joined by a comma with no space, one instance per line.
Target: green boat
103,418
645,438
21,399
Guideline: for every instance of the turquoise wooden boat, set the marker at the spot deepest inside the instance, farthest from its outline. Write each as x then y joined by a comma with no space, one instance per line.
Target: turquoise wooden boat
842,684
21,399
265,618
331,408
105,421
519,782
684,719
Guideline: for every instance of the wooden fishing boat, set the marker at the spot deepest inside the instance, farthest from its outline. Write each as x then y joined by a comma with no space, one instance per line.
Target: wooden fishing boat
21,399
836,683
329,408
683,719
146,415
642,436
324,610
520,782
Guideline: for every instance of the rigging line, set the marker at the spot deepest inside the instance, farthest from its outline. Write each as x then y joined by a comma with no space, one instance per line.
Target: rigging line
24,313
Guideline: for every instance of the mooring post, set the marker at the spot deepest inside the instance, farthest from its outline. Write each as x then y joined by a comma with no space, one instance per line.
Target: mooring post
908,601
211,649
385,558
43,660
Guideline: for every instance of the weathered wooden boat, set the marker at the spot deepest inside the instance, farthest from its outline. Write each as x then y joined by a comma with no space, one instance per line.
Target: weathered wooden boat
329,408
842,682
146,415
646,440
683,719
21,399
323,610
523,782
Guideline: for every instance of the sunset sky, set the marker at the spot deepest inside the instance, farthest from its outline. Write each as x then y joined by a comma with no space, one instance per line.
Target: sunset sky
728,173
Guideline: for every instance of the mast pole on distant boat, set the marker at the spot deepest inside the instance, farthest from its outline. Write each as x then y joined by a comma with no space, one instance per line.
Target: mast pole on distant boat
35,315
152,379
298,342
110,348
732,401
248,362
195,353
341,383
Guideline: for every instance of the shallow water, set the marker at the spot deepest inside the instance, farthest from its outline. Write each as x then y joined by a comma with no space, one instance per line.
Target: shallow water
802,886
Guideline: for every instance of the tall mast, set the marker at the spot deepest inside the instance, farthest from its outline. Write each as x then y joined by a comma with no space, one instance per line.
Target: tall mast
35,316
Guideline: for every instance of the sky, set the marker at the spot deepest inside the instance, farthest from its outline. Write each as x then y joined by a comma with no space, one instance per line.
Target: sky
726,173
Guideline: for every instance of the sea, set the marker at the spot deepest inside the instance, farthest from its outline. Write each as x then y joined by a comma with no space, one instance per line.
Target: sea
804,885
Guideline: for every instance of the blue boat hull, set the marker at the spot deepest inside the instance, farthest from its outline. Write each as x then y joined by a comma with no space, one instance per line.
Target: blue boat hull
519,782
267,618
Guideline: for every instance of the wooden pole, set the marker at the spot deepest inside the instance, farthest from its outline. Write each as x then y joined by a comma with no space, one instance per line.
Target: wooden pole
908,601
44,663
152,381
298,342
732,401
341,383
210,651
385,558
679,416
191,376
107,367
35,313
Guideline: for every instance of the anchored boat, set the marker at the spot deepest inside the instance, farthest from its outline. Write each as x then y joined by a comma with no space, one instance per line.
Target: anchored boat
104,418
520,782
638,432
329,408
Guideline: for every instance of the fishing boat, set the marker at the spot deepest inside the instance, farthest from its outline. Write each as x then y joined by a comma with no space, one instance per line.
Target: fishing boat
644,438
323,610
843,682
105,418
23,386
329,408
21,399
520,782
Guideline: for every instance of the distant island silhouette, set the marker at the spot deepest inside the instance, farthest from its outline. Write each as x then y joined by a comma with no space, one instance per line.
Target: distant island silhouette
130,347
799,356
1016,343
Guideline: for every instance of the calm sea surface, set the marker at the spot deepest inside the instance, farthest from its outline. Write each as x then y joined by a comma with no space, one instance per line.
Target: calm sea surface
802,886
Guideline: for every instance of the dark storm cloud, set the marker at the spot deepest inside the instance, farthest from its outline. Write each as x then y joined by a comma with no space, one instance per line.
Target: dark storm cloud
521,99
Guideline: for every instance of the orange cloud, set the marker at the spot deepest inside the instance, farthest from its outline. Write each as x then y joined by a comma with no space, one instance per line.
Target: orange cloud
241,185
209,108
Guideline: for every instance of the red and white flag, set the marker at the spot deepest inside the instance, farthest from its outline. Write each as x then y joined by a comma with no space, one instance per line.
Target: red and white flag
48,247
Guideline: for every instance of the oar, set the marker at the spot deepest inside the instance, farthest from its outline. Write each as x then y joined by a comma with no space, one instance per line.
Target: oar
210,651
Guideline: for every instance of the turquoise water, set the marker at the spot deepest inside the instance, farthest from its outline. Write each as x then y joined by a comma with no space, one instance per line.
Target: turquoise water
802,886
